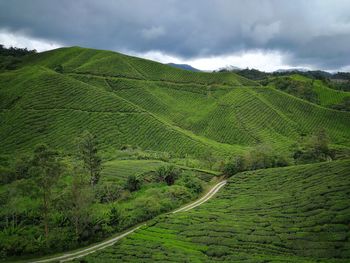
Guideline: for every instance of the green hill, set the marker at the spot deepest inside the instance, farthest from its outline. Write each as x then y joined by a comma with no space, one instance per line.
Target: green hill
316,91
40,105
55,95
152,122
294,214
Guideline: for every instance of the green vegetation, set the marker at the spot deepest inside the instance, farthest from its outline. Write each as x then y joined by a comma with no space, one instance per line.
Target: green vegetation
11,58
292,214
259,157
55,206
53,107
313,90
157,137
89,155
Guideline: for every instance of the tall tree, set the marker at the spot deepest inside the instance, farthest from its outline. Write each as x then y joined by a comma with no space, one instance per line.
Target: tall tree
81,197
46,169
88,153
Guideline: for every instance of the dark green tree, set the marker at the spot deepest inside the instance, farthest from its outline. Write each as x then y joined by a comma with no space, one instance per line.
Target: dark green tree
46,169
236,165
115,217
133,183
80,198
22,166
88,153
168,174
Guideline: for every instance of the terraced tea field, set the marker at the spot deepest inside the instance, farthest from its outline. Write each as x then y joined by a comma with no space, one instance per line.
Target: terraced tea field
127,100
293,214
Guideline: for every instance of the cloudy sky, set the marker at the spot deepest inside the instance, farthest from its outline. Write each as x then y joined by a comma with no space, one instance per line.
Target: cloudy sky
208,34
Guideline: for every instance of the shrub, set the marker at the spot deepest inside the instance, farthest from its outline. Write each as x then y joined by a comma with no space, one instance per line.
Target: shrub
115,217
236,165
168,174
260,157
192,183
316,149
179,192
108,192
147,208
217,251
6,175
133,183
59,69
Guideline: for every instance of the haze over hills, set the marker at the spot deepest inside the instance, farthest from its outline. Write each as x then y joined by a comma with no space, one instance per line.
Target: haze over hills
165,136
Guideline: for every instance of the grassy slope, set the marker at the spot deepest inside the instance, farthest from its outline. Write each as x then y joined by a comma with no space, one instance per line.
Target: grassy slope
326,96
127,100
293,214
38,105
229,115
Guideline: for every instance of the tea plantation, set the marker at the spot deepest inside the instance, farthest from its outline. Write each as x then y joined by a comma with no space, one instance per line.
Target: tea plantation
159,137
293,214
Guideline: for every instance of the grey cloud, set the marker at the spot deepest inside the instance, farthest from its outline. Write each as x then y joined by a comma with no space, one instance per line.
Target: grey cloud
312,32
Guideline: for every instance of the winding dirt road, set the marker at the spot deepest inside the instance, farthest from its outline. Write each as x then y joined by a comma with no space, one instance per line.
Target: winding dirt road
109,242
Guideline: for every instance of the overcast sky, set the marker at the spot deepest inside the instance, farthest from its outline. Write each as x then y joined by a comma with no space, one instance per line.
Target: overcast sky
208,34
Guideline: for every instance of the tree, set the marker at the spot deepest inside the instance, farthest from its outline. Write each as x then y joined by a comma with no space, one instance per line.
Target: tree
315,149
88,153
229,169
210,159
260,157
22,166
46,169
108,192
133,183
168,174
236,165
319,142
80,199
115,217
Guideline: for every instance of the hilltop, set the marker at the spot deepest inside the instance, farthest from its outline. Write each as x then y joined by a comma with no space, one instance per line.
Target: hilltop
183,66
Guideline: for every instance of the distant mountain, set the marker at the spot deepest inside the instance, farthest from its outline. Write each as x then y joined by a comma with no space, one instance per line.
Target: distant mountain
292,70
184,66
228,68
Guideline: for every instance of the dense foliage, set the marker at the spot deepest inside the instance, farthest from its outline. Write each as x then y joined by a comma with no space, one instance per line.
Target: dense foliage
303,90
50,203
11,57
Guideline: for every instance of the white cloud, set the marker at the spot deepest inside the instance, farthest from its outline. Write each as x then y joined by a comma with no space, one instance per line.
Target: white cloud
21,40
258,59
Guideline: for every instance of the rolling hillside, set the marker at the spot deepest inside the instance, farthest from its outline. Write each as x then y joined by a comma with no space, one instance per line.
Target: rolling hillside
165,135
294,214
317,90
56,95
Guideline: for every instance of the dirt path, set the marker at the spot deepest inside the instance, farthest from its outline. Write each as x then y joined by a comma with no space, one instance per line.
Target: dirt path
203,199
109,242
